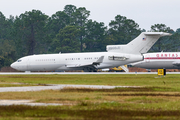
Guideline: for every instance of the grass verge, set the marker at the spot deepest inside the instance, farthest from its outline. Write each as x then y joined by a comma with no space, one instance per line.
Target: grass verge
157,98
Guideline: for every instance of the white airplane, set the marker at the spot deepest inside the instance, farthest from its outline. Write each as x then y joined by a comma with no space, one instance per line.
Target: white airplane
160,60
116,55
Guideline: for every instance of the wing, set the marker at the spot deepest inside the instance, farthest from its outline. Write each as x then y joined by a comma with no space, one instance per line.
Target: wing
88,66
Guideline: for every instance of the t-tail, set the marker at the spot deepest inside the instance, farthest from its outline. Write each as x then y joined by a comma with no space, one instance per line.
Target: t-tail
140,44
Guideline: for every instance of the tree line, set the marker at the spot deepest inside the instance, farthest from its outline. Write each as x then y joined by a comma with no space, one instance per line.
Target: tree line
70,30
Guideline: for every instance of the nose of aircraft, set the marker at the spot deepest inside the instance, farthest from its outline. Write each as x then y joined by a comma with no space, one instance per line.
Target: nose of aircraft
13,66
19,66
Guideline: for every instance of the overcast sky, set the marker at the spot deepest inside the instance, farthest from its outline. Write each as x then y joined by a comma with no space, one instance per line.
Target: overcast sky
143,12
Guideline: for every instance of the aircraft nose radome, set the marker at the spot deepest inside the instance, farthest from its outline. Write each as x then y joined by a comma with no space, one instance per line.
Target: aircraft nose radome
13,66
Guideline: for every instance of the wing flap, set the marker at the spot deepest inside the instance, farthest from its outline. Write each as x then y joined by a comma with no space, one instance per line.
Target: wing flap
98,62
78,65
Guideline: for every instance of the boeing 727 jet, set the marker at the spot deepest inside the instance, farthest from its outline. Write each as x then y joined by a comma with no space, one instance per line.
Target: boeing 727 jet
116,55
160,60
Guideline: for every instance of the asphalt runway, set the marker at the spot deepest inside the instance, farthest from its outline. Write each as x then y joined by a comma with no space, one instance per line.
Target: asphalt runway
50,87
71,73
55,87
27,102
78,73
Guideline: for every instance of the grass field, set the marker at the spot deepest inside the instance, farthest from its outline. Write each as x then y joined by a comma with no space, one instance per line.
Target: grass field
155,98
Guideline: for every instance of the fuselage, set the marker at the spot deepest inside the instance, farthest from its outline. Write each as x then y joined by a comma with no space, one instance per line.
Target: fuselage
166,60
49,62
116,55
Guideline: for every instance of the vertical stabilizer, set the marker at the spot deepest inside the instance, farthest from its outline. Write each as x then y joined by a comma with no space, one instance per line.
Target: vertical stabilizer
145,41
140,44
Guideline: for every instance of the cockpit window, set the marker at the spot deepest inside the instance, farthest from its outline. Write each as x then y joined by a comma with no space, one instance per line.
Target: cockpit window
19,60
